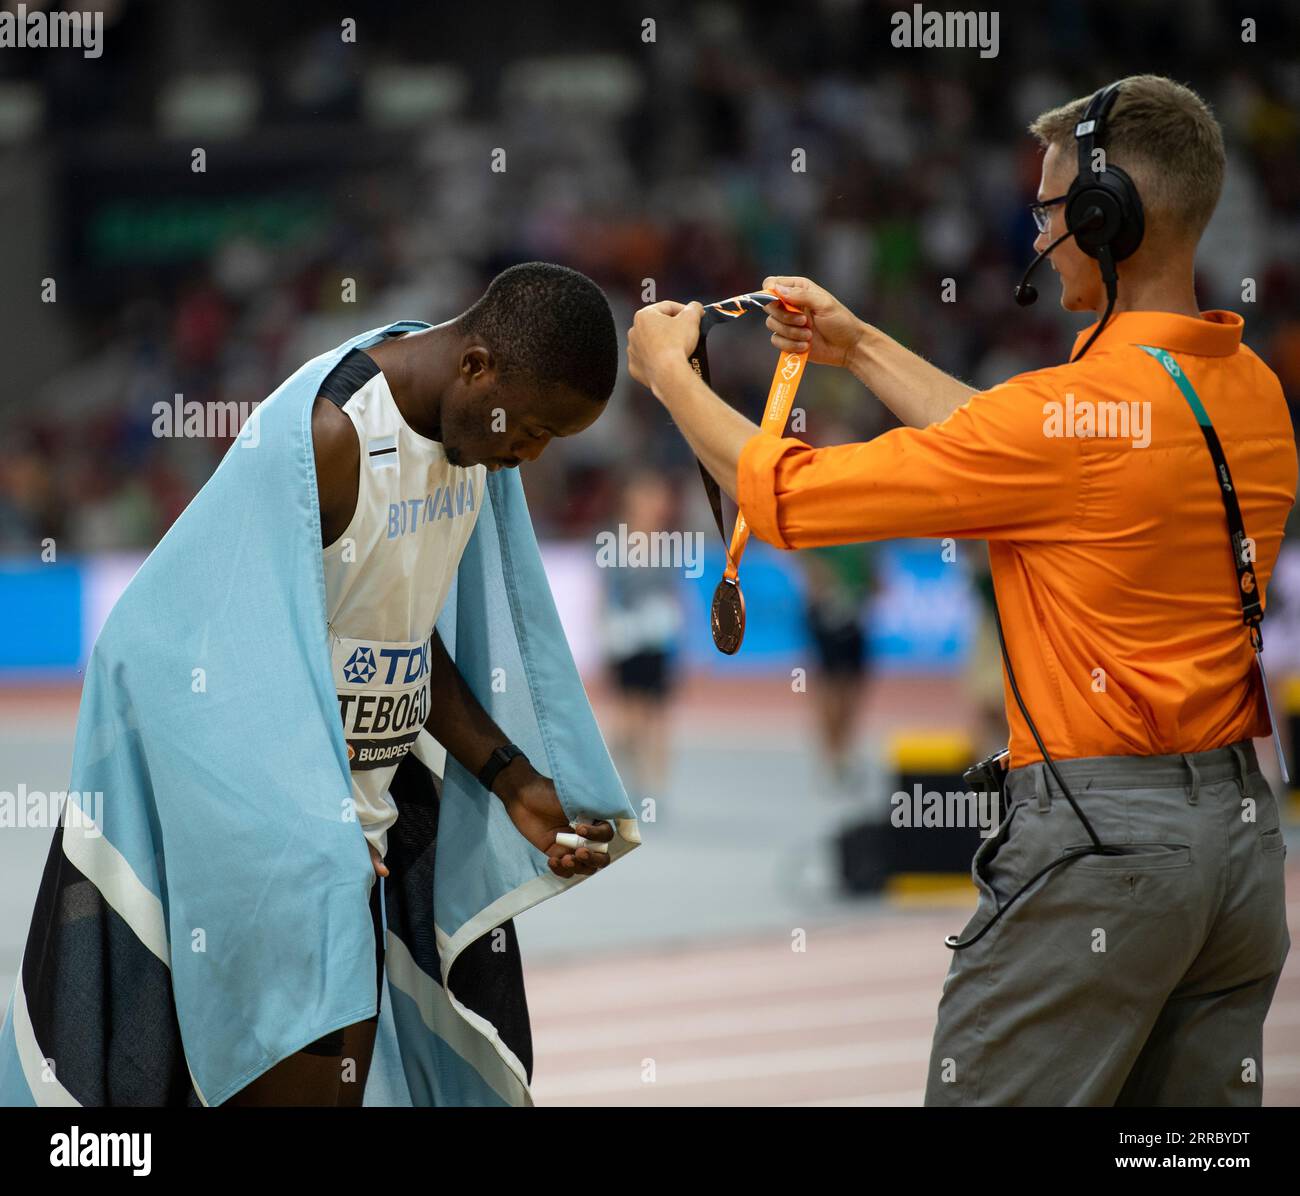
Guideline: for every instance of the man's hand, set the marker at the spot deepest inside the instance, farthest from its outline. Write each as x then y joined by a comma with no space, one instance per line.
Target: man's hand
660,340
534,807
381,869
823,326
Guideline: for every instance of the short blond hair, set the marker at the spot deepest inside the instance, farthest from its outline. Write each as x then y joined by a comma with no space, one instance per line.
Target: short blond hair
1167,139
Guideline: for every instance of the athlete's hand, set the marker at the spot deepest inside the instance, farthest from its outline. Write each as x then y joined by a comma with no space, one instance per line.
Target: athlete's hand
661,338
534,807
381,869
823,325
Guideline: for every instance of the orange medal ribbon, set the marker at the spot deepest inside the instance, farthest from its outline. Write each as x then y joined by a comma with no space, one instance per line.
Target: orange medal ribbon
727,615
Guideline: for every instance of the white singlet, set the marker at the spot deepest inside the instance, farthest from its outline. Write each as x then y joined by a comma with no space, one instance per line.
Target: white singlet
386,578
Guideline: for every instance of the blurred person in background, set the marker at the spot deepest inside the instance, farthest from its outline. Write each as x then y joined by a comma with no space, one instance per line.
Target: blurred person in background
28,497
641,619
982,675
839,581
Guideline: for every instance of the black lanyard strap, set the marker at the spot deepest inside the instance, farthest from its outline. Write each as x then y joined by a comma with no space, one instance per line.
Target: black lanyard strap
1252,609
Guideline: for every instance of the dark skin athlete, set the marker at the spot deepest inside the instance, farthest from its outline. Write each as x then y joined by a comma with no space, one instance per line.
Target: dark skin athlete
448,388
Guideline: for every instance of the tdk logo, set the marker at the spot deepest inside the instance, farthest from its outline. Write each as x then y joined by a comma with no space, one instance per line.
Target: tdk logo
360,667
401,666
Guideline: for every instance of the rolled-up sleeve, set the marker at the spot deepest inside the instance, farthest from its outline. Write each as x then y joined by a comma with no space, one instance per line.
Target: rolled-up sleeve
756,484
989,471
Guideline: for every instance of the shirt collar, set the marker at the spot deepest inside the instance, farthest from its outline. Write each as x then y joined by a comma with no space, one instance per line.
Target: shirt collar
1211,334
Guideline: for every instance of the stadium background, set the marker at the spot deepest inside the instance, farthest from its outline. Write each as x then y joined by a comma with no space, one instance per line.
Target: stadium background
669,161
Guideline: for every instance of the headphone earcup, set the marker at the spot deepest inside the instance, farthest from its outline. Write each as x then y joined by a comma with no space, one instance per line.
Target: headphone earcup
1121,226
1132,219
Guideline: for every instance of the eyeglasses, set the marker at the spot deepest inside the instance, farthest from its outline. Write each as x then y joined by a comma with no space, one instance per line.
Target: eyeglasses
1038,210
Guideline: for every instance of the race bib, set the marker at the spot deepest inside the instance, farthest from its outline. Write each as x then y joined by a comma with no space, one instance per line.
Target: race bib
383,690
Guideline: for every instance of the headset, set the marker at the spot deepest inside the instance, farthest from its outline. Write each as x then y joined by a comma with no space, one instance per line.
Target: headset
1103,211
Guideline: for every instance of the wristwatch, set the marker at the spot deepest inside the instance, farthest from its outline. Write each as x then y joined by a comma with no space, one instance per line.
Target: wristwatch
502,756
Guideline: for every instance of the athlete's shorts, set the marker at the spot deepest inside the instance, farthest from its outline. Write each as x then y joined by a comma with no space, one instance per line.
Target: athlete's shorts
841,647
646,673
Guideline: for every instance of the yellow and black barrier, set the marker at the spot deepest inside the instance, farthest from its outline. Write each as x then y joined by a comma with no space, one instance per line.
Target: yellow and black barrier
920,851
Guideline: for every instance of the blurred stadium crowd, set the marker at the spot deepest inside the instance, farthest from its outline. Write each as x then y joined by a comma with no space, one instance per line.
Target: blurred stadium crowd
664,164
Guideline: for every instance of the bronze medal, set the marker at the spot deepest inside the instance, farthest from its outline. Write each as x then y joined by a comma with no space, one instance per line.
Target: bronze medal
727,617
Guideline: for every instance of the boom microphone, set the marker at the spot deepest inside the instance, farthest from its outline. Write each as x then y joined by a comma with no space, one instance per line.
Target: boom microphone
1025,292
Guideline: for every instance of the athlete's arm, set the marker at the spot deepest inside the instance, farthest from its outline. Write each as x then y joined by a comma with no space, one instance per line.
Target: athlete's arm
338,467
917,392
657,344
458,722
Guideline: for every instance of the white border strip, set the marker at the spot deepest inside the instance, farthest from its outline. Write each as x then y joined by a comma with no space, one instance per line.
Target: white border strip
46,1093
87,849
532,892
473,1038
106,868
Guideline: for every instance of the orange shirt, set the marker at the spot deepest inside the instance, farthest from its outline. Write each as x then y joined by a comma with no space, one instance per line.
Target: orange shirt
1109,552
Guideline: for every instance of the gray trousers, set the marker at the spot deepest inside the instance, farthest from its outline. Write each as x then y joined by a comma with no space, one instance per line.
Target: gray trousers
1136,979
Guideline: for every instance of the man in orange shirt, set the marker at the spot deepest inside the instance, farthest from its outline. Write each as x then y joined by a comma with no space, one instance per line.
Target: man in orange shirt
1140,862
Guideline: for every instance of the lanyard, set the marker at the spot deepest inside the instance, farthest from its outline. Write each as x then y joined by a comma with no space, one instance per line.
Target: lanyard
727,614
1252,610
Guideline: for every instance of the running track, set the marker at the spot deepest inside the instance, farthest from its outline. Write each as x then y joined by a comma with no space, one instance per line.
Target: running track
847,1022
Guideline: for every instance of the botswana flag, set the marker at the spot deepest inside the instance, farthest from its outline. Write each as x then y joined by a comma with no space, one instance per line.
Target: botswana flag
203,914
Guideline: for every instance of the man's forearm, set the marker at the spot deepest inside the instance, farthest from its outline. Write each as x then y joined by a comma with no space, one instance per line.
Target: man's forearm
457,720
917,392
715,430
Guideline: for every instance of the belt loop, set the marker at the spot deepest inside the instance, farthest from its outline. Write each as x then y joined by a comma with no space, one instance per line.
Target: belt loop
1194,794
1243,767
1041,789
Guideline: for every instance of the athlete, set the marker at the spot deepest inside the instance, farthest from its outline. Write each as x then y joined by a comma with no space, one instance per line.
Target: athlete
404,433
200,935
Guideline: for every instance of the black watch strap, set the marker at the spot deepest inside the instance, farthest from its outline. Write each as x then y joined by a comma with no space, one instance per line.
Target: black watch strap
502,756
